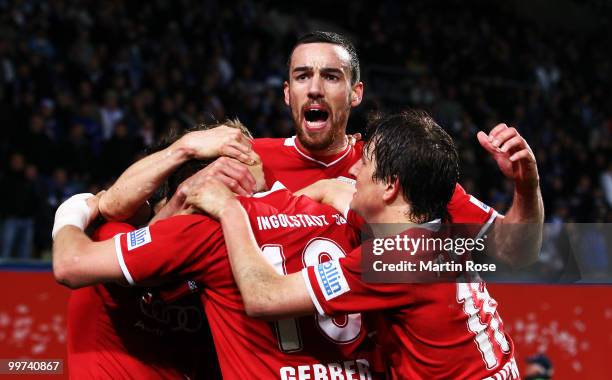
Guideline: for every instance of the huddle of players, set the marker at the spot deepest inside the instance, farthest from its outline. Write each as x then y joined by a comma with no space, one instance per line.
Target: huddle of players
432,331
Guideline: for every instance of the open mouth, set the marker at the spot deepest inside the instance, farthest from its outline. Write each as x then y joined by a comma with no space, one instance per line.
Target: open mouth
316,115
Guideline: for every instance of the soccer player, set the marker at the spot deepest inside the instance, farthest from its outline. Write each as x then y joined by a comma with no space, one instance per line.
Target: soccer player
293,232
446,330
323,85
154,333
121,333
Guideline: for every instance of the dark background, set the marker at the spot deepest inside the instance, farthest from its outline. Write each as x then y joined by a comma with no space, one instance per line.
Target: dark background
87,86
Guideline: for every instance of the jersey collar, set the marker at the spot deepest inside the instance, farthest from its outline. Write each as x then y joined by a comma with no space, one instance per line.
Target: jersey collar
331,160
275,187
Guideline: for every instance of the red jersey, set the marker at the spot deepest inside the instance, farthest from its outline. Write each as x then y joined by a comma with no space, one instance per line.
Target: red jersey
293,232
284,161
426,330
135,333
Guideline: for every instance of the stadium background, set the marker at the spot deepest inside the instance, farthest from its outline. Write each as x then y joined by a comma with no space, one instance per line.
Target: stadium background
86,86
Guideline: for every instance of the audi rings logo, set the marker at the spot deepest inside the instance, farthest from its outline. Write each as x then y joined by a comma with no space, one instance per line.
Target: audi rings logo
177,318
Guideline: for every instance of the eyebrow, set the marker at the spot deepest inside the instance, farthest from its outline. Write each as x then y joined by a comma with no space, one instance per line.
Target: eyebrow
302,68
326,70
332,70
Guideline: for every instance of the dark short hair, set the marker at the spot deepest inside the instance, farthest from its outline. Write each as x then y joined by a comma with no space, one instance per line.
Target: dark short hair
412,148
188,168
335,39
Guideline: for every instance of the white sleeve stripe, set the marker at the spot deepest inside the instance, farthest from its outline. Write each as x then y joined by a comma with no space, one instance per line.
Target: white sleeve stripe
124,269
487,225
311,292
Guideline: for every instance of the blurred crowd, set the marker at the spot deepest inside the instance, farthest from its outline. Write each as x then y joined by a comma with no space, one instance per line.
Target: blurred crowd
87,86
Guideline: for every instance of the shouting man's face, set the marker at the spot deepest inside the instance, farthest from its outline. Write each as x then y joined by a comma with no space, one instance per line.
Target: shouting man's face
320,95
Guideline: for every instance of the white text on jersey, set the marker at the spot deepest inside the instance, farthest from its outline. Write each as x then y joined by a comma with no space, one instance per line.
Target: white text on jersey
348,370
296,221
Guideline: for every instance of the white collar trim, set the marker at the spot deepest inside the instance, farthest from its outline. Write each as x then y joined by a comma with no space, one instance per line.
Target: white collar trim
275,187
290,141
433,225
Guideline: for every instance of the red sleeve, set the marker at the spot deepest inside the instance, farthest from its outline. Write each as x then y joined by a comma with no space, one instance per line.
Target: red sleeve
170,249
110,229
336,287
354,220
467,209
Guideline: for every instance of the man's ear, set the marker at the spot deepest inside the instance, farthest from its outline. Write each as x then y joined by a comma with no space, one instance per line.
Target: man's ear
392,190
286,92
356,94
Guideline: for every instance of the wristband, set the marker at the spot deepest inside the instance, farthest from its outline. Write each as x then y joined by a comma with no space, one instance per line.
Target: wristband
74,212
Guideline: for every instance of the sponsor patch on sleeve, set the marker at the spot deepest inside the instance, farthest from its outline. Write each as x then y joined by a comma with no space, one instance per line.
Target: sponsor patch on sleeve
138,238
331,279
478,203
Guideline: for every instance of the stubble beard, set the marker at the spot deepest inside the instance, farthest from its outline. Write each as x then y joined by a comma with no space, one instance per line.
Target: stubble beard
320,142
317,143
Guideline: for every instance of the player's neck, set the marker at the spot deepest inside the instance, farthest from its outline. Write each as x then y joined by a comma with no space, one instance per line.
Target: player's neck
391,214
338,146
390,221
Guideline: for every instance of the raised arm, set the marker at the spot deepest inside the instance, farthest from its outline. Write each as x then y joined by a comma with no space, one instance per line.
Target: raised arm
140,180
265,293
77,260
332,192
517,235
177,203
150,256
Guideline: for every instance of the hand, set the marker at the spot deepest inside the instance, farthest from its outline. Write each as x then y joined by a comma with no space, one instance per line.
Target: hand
512,155
212,197
220,141
232,173
93,203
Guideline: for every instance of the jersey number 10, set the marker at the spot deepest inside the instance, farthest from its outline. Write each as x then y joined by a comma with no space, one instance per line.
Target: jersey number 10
314,253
